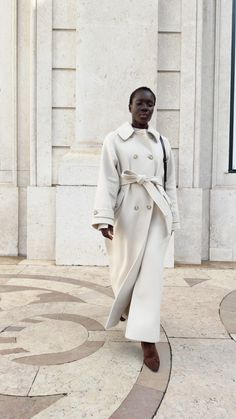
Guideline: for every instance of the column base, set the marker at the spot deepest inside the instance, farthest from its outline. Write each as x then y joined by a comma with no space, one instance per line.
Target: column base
41,222
188,243
9,221
223,224
77,243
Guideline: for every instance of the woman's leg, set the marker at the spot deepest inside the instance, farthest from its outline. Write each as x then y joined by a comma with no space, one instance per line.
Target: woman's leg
144,314
150,356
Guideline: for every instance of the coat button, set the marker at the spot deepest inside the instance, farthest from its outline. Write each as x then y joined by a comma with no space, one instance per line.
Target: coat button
95,212
135,156
150,156
149,206
136,207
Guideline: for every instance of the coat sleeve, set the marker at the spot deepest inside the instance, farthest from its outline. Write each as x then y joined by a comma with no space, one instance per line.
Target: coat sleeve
107,187
171,188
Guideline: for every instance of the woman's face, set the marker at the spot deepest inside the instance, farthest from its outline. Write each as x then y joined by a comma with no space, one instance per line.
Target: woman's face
141,108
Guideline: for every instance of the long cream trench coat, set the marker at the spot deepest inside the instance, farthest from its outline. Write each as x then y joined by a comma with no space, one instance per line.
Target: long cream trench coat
130,196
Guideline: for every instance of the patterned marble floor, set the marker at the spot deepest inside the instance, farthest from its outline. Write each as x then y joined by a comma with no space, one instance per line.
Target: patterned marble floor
57,360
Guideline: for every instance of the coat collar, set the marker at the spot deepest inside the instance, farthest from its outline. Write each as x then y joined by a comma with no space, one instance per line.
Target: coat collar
126,130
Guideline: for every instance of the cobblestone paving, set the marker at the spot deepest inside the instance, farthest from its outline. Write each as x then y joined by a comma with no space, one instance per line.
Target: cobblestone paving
57,360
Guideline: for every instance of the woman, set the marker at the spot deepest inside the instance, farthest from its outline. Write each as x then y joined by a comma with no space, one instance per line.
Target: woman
137,217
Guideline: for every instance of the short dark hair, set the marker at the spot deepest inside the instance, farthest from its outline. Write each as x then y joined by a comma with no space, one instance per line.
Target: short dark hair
138,90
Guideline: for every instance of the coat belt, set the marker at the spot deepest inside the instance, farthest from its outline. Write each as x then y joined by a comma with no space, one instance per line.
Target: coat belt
153,187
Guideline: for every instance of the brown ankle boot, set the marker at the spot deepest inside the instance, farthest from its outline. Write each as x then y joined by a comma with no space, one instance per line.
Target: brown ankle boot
150,356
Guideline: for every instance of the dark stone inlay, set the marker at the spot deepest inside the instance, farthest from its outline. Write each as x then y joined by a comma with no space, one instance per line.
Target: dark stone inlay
12,288
81,283
141,403
87,322
55,296
194,281
32,321
228,312
229,302
14,329
82,351
46,297
12,351
99,288
5,339
13,407
229,320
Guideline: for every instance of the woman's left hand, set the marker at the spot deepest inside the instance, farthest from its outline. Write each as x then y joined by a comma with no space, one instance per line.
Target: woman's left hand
107,232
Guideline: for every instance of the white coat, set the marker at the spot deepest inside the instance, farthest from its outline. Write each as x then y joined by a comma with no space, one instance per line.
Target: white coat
130,196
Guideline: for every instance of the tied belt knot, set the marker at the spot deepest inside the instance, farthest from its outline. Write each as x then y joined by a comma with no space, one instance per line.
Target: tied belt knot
131,177
152,185
140,178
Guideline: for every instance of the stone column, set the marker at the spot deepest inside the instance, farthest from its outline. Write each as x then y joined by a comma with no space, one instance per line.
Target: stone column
8,129
40,193
189,238
116,52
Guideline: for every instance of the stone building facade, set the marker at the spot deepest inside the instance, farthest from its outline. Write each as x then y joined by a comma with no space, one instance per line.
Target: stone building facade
67,68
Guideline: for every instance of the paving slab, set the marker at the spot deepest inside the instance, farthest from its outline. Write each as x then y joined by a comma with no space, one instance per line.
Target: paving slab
203,380
192,312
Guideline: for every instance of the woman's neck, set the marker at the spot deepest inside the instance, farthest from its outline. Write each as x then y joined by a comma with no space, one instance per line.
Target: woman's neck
139,126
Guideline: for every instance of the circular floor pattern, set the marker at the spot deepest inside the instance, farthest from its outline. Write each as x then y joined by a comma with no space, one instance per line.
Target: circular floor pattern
228,313
56,355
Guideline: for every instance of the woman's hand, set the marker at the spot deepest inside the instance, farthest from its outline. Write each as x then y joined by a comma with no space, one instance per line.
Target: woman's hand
107,232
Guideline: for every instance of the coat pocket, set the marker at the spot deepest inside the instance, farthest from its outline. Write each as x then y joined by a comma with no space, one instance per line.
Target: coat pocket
119,201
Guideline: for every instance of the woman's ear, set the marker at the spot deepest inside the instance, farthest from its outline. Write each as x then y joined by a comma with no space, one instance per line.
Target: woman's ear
129,107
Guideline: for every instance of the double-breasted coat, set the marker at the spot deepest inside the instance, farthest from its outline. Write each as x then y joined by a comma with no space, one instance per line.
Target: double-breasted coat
130,196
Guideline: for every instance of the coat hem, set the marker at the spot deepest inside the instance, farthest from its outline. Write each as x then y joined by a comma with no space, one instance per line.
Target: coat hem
143,339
